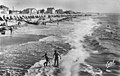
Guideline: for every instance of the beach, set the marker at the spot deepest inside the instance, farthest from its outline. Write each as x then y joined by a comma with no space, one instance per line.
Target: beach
27,44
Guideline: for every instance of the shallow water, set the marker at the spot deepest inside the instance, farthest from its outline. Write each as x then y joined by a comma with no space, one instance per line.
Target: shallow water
19,39
23,49
27,54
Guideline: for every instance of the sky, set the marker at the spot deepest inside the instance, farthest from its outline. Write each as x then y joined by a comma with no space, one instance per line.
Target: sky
102,6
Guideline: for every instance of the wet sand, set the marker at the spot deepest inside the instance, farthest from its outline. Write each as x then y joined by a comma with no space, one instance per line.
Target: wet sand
23,49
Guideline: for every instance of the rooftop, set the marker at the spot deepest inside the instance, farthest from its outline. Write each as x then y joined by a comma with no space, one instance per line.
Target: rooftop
2,6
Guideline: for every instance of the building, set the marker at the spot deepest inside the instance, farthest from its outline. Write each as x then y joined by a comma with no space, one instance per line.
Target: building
41,11
14,12
59,11
50,10
69,12
29,11
4,9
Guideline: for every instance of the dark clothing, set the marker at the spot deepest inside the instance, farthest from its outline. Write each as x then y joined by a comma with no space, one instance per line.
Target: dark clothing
46,57
19,23
2,30
57,22
11,30
56,60
47,60
56,55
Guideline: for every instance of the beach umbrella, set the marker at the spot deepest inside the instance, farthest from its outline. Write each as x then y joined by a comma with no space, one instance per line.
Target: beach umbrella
39,16
1,19
18,17
21,17
28,16
15,18
4,17
7,17
49,16
33,16
11,18
36,16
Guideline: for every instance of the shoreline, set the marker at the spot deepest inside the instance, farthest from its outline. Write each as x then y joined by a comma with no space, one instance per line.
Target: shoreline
9,53
48,31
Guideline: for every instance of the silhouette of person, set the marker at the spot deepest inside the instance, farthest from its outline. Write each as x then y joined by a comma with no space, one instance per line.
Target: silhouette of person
56,58
11,30
57,22
3,31
47,60
19,23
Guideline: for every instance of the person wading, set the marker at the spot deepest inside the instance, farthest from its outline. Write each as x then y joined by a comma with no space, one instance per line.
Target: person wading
57,22
56,58
47,60
11,30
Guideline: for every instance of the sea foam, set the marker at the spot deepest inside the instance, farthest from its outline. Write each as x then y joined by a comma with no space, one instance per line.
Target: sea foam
78,54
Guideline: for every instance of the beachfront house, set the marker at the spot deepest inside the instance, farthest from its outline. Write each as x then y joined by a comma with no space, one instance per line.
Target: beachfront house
69,12
4,9
59,11
29,11
14,12
41,11
50,10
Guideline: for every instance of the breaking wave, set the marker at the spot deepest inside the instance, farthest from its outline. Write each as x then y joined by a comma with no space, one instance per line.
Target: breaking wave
78,54
74,61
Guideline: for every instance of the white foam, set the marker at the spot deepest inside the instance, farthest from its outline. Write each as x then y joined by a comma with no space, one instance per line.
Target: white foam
78,52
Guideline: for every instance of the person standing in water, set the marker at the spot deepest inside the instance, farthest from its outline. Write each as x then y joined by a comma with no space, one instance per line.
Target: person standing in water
56,58
47,60
11,30
57,22
19,23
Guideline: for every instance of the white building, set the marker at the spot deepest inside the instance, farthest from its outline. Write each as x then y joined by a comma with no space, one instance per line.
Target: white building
59,11
4,9
50,11
29,11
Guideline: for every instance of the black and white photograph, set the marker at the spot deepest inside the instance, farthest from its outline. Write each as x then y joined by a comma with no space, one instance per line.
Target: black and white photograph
59,37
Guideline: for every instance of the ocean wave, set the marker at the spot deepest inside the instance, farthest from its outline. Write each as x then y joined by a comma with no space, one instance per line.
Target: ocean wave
78,53
72,63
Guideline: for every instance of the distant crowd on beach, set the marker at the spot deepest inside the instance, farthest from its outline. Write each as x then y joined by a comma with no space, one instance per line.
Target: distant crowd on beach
30,19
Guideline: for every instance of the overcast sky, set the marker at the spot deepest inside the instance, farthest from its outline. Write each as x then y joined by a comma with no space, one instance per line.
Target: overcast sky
108,6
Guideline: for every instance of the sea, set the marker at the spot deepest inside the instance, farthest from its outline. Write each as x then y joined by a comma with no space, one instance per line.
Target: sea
21,52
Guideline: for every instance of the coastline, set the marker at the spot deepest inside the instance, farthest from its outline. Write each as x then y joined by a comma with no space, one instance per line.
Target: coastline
57,35
34,49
